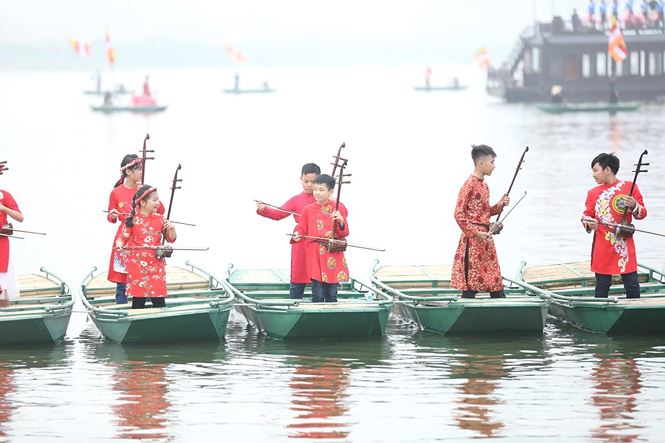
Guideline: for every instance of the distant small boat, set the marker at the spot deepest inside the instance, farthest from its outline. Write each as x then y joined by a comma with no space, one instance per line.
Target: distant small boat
249,91
440,88
561,108
107,109
41,313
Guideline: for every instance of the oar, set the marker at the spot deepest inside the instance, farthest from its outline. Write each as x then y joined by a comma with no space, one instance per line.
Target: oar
330,240
616,225
174,222
276,207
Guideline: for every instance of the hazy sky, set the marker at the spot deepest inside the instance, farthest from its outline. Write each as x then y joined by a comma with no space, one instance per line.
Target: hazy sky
417,26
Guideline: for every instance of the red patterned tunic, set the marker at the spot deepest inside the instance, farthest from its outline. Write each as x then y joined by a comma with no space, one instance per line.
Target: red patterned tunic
472,214
606,203
7,200
298,249
121,200
146,274
324,266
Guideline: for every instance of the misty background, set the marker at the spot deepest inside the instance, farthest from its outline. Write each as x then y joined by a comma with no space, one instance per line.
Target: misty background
35,34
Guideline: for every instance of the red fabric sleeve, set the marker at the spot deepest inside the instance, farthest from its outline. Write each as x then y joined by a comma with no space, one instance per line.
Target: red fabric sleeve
341,233
460,211
589,207
302,224
640,211
494,210
276,214
113,204
8,200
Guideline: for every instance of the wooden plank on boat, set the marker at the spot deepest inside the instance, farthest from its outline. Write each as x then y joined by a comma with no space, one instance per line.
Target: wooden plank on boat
37,285
415,276
177,279
567,275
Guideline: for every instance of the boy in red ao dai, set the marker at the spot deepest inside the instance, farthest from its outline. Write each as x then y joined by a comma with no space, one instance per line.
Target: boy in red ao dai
325,269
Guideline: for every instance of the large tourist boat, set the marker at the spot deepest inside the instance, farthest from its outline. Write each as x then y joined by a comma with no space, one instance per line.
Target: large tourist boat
576,59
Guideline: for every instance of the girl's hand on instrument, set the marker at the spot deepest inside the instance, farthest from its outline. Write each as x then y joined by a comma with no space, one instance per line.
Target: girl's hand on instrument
296,236
114,213
505,200
336,215
260,205
168,225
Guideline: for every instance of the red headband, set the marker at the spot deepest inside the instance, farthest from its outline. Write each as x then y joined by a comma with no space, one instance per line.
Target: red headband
134,162
147,193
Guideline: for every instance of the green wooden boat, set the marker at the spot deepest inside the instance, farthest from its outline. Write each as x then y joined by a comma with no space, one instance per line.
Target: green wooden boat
108,109
41,314
424,297
562,108
571,288
197,308
262,297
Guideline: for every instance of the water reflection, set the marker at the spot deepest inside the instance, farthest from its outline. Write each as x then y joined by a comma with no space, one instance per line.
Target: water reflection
6,389
320,380
482,364
319,399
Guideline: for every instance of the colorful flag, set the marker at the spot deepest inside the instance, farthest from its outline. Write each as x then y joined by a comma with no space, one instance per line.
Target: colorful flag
617,47
110,55
482,58
79,47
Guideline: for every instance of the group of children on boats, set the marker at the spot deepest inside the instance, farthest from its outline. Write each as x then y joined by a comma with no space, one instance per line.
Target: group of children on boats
139,270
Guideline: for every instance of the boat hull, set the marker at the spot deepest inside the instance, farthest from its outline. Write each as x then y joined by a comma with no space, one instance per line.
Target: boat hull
326,323
439,88
612,318
587,107
34,328
135,109
209,324
471,317
249,91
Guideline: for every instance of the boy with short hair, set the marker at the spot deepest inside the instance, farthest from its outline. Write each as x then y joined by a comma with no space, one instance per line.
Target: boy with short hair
476,266
299,276
607,203
320,219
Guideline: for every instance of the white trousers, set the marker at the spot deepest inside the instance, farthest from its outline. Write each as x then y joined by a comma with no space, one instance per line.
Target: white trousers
9,283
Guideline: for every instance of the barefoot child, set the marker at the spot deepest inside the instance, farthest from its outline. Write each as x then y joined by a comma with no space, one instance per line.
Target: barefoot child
299,276
325,269
141,234
476,266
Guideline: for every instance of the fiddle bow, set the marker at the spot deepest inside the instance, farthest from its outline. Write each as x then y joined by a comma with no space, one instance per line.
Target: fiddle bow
496,227
628,229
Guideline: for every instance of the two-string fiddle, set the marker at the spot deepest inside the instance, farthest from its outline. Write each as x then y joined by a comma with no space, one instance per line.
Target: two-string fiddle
626,229
496,227
164,250
144,156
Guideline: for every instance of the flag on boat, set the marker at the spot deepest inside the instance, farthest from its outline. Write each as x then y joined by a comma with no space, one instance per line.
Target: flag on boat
80,48
482,58
110,55
234,54
617,47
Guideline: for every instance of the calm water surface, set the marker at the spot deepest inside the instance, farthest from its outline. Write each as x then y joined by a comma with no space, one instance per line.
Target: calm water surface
409,153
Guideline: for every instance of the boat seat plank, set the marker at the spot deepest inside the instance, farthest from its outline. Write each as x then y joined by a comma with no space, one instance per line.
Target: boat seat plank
260,276
177,278
37,285
405,273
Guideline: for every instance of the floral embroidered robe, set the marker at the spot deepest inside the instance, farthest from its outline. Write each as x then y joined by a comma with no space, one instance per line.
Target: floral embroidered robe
146,274
316,221
475,266
612,254
121,200
298,249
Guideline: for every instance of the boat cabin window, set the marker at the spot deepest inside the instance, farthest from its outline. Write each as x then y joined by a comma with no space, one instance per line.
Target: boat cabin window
617,67
601,64
634,63
535,59
643,62
655,63
586,66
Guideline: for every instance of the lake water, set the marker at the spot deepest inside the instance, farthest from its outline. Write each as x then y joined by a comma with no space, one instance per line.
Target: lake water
409,154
